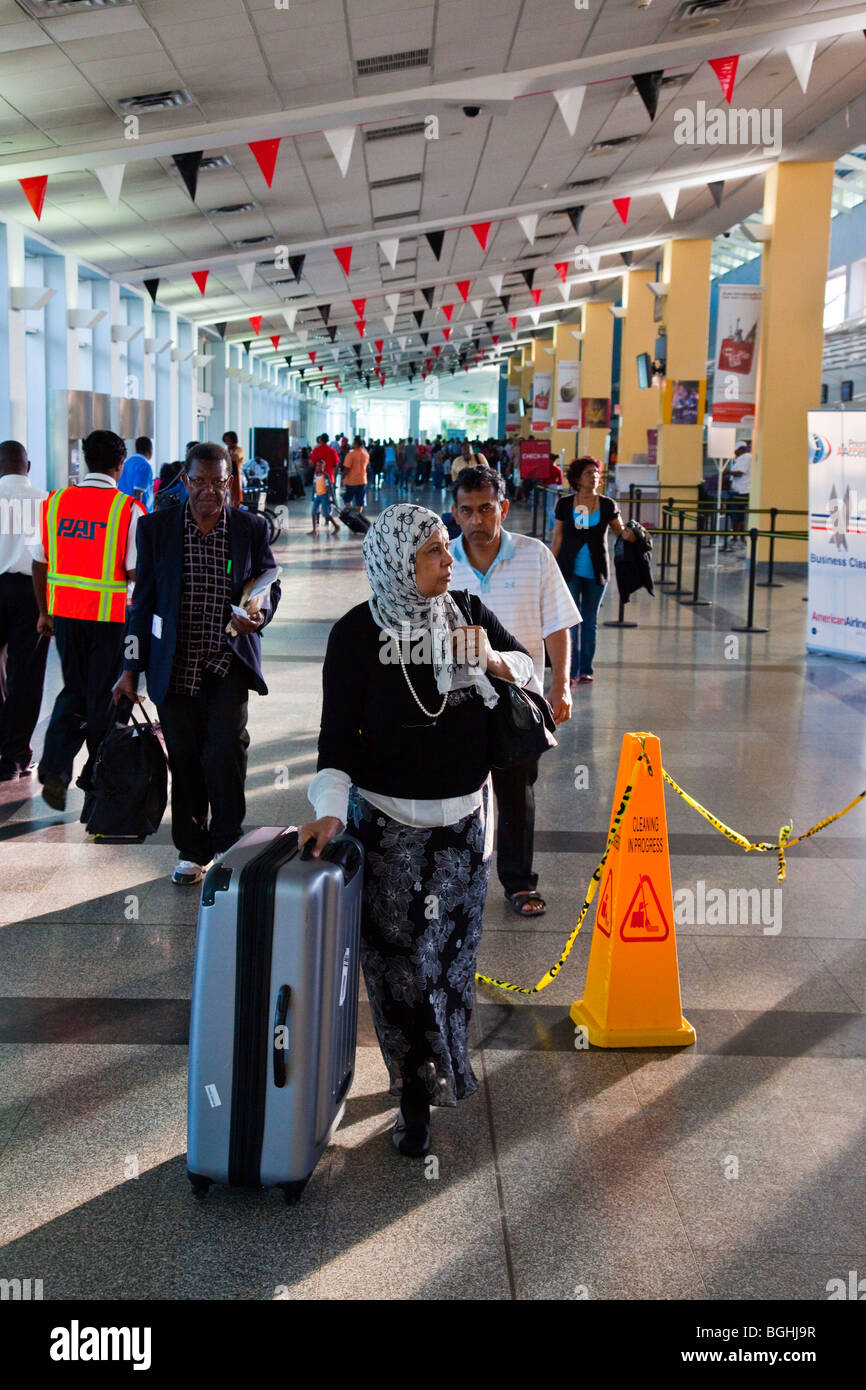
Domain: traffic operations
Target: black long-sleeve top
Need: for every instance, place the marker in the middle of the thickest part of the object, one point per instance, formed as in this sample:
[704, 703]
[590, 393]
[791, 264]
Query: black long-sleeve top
[373, 729]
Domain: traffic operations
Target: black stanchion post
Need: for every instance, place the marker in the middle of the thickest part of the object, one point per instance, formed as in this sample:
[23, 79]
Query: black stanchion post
[696, 601]
[769, 582]
[667, 544]
[753, 564]
[678, 587]
[630, 501]
[638, 494]
[534, 511]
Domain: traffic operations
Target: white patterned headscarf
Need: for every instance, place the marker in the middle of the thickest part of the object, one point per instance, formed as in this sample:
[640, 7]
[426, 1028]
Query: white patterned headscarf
[397, 605]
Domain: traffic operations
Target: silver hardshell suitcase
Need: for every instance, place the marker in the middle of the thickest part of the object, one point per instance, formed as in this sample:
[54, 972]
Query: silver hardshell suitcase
[274, 1010]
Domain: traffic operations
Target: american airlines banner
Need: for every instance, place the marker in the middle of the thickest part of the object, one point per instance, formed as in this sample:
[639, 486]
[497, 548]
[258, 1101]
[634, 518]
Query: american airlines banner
[837, 533]
[736, 373]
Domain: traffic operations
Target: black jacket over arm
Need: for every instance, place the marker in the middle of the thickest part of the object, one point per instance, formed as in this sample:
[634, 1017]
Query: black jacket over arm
[158, 581]
[573, 537]
[373, 729]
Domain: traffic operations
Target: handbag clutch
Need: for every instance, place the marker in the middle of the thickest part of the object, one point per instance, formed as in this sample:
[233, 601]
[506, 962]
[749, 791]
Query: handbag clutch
[521, 725]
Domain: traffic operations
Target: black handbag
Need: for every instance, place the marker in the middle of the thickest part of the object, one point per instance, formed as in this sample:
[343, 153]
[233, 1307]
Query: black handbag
[130, 781]
[521, 725]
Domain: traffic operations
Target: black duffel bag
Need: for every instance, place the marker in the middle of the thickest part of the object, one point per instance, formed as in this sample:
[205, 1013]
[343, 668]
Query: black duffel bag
[129, 785]
[521, 725]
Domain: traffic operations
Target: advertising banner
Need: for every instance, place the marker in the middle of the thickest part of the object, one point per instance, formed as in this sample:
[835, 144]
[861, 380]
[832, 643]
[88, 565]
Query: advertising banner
[512, 409]
[737, 332]
[542, 385]
[837, 533]
[567, 395]
[535, 459]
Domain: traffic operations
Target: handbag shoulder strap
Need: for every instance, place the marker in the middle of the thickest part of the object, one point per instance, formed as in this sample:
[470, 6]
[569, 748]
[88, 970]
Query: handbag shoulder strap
[461, 598]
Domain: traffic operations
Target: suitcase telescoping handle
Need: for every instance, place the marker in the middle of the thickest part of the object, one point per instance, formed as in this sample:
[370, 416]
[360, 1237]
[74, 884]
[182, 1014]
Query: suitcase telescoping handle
[281, 1036]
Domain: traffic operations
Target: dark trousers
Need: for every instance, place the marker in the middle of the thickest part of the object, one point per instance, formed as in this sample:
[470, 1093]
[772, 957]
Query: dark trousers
[90, 659]
[515, 825]
[26, 654]
[207, 741]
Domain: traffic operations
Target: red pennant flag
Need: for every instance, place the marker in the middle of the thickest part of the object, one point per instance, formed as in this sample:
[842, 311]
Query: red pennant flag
[378, 344]
[340, 389]
[361, 324]
[423, 376]
[463, 289]
[482, 232]
[446, 334]
[34, 191]
[324, 381]
[312, 357]
[276, 340]
[622, 206]
[428, 362]
[437, 349]
[265, 152]
[494, 339]
[359, 305]
[377, 361]
[536, 295]
[200, 277]
[561, 268]
[466, 366]
[513, 321]
[344, 256]
[256, 321]
[448, 310]
[726, 71]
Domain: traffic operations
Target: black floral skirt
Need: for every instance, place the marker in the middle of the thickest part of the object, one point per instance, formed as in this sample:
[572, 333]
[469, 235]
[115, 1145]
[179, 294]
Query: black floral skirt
[424, 892]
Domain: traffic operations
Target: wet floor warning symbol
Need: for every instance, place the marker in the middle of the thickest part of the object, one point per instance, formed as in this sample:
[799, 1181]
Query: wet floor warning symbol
[604, 916]
[644, 919]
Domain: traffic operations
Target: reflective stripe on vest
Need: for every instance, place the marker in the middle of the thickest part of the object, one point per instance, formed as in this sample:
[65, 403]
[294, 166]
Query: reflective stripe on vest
[106, 587]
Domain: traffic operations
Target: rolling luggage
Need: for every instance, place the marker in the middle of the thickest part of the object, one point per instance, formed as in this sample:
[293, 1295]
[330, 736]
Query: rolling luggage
[358, 525]
[129, 786]
[274, 1010]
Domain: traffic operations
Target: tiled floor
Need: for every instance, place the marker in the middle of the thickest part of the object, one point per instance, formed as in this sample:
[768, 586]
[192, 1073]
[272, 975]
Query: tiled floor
[735, 1169]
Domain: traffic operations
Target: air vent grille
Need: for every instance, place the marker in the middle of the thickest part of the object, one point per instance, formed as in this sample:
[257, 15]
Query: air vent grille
[616, 142]
[393, 132]
[393, 62]
[252, 241]
[214, 161]
[230, 209]
[153, 101]
[395, 182]
[702, 9]
[51, 9]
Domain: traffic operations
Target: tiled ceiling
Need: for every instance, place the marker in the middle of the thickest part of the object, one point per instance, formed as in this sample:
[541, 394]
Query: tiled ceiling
[252, 70]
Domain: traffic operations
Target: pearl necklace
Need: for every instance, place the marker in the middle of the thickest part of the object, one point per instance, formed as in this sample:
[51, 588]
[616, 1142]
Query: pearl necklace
[429, 713]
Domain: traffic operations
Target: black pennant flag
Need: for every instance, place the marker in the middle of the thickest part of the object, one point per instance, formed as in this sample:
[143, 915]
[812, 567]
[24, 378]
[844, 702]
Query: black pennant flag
[574, 215]
[505, 301]
[627, 257]
[529, 277]
[434, 241]
[287, 359]
[356, 348]
[301, 371]
[325, 311]
[424, 338]
[296, 265]
[247, 344]
[648, 86]
[332, 332]
[187, 167]
[717, 190]
[367, 379]
[489, 324]
[428, 295]
[221, 328]
[152, 286]
[418, 315]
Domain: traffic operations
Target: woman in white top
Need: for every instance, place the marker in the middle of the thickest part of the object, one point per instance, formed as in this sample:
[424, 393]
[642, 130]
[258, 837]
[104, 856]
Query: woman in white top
[403, 763]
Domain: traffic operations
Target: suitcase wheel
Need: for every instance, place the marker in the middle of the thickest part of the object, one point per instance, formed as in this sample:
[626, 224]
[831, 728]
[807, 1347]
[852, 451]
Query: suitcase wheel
[292, 1191]
[200, 1186]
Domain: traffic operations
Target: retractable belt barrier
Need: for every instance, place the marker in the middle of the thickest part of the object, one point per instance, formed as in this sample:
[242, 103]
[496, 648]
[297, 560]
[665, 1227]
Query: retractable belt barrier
[779, 847]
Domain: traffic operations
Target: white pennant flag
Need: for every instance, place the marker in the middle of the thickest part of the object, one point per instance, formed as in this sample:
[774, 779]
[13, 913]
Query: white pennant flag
[341, 142]
[111, 178]
[514, 335]
[393, 302]
[594, 258]
[402, 341]
[535, 315]
[801, 56]
[247, 272]
[468, 327]
[670, 197]
[303, 335]
[389, 320]
[389, 250]
[529, 224]
[290, 315]
[496, 282]
[570, 100]
[476, 305]
[565, 291]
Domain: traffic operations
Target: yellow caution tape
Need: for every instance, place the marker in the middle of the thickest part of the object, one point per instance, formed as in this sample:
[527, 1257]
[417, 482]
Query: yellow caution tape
[591, 891]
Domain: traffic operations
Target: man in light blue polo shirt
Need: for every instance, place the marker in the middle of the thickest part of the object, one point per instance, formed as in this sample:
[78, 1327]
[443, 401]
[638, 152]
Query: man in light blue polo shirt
[136, 478]
[518, 579]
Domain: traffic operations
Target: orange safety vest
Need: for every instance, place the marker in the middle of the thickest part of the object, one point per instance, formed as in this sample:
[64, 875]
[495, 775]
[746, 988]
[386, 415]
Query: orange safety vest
[84, 533]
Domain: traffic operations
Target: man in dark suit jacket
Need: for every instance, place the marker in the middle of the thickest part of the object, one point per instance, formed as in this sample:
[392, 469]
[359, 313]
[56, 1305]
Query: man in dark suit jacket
[193, 563]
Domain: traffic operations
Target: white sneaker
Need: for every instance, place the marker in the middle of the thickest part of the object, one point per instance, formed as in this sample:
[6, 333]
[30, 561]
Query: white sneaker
[187, 872]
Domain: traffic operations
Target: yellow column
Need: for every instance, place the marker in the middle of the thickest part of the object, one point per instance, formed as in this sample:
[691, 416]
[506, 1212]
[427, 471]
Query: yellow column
[595, 376]
[639, 409]
[534, 359]
[797, 201]
[686, 272]
[566, 348]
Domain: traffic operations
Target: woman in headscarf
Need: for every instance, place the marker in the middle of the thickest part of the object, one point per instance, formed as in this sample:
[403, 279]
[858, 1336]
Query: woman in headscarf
[403, 764]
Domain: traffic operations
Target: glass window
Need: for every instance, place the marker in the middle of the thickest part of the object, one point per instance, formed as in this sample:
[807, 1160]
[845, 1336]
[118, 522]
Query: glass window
[834, 299]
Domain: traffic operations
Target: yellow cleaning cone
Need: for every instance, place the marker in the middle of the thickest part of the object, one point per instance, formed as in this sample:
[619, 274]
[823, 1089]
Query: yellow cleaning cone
[632, 992]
